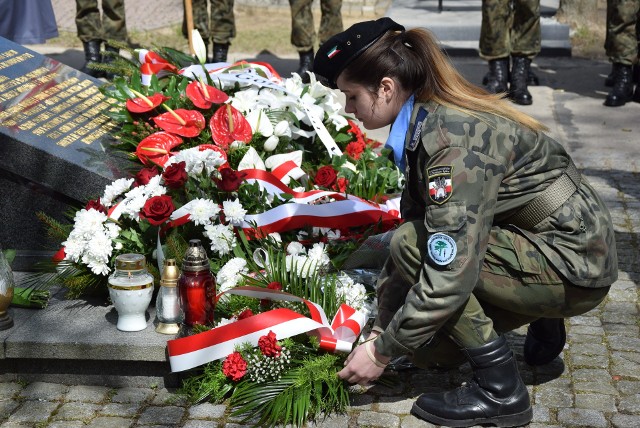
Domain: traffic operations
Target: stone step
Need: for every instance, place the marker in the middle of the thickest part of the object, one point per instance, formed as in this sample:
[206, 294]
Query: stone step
[457, 27]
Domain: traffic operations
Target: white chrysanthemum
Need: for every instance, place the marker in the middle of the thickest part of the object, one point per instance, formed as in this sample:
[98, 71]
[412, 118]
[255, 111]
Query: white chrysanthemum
[196, 160]
[135, 199]
[222, 238]
[115, 189]
[233, 212]
[318, 253]
[88, 222]
[295, 248]
[202, 211]
[231, 273]
[352, 293]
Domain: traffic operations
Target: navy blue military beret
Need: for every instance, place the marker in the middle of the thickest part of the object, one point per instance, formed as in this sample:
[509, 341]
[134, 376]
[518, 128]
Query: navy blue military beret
[340, 50]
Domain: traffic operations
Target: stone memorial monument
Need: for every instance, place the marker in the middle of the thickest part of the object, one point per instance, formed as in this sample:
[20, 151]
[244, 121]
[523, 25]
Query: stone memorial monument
[54, 147]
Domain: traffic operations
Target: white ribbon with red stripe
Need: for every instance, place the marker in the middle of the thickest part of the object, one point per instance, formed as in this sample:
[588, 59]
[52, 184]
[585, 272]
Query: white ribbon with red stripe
[192, 351]
[153, 64]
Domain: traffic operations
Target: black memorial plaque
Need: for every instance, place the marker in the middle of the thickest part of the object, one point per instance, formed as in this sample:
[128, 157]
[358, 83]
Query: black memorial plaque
[54, 145]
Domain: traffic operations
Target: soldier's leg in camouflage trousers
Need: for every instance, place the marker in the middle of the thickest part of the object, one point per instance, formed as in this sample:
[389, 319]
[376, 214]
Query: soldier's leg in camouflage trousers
[495, 45]
[114, 23]
[303, 35]
[525, 45]
[621, 46]
[330, 19]
[89, 28]
[223, 28]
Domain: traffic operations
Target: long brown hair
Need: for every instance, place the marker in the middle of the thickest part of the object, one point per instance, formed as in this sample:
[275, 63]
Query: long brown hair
[414, 59]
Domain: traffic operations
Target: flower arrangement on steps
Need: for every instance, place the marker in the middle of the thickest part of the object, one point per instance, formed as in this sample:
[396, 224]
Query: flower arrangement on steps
[279, 186]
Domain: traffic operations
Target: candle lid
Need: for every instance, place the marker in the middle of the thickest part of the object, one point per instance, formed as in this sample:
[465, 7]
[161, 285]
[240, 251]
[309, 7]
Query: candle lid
[170, 273]
[195, 259]
[130, 262]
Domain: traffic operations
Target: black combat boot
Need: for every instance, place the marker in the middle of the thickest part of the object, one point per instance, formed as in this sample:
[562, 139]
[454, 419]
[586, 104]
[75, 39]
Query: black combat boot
[518, 91]
[545, 340]
[608, 81]
[532, 78]
[220, 52]
[496, 395]
[92, 55]
[109, 59]
[306, 64]
[622, 91]
[498, 77]
[636, 94]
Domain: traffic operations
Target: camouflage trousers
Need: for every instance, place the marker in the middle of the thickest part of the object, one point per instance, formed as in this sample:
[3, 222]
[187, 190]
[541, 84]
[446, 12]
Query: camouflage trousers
[219, 26]
[303, 34]
[621, 42]
[516, 286]
[510, 27]
[91, 26]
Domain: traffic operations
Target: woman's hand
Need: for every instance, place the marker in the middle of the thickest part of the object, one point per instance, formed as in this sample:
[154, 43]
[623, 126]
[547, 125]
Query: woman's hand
[360, 368]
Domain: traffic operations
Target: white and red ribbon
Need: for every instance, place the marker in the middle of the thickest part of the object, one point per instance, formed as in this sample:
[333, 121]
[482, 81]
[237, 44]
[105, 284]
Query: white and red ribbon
[153, 64]
[337, 336]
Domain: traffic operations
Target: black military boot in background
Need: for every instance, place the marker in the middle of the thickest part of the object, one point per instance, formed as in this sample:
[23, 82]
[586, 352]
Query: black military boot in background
[109, 58]
[518, 90]
[622, 91]
[495, 396]
[306, 64]
[497, 80]
[545, 341]
[220, 52]
[92, 55]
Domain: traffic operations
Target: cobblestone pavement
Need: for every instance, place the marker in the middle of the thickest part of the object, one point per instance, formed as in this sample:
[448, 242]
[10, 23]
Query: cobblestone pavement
[595, 383]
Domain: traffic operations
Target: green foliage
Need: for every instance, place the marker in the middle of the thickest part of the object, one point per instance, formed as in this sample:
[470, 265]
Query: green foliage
[211, 385]
[303, 393]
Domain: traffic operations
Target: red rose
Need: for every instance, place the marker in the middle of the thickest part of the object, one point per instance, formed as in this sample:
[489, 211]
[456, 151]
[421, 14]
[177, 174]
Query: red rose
[230, 180]
[96, 205]
[341, 185]
[245, 314]
[145, 175]
[355, 149]
[59, 255]
[269, 346]
[175, 175]
[275, 285]
[326, 176]
[157, 209]
[234, 366]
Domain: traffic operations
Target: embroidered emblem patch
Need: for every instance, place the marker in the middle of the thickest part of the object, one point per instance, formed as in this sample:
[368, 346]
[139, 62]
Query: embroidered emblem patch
[440, 183]
[441, 248]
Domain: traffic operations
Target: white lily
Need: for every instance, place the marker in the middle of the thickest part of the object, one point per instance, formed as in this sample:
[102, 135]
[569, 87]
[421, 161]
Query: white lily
[199, 47]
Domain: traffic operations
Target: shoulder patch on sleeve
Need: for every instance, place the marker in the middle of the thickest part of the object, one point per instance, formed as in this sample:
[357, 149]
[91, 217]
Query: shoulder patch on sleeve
[441, 249]
[440, 183]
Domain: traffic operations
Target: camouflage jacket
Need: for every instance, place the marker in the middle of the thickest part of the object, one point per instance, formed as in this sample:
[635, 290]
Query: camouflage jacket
[464, 175]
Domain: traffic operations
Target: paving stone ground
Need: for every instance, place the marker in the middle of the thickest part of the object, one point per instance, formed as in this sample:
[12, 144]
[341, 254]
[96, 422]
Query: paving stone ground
[594, 383]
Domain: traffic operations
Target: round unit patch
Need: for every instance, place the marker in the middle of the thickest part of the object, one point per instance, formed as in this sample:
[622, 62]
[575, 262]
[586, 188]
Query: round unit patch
[441, 249]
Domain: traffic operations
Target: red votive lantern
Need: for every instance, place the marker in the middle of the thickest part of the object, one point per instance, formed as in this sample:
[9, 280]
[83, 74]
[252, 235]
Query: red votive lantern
[197, 286]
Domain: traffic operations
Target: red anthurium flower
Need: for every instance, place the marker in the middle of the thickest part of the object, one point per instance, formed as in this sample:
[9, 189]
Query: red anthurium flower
[156, 148]
[228, 125]
[204, 96]
[145, 104]
[187, 123]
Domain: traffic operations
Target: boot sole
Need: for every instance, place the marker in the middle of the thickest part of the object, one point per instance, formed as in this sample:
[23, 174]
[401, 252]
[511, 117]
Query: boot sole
[519, 419]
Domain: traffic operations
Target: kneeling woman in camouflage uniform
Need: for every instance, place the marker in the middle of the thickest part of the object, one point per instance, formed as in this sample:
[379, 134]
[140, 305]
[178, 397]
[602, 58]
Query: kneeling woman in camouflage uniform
[500, 228]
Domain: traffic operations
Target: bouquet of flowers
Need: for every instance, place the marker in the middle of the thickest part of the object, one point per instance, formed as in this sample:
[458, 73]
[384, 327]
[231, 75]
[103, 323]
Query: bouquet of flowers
[279, 186]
